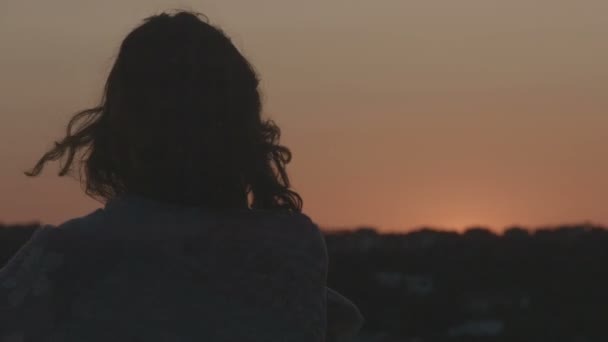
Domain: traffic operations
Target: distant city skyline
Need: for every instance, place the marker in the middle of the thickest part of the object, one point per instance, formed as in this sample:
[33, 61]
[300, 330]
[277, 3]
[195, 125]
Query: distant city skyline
[400, 114]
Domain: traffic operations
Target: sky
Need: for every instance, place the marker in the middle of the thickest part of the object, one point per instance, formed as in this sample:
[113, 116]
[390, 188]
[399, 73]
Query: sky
[399, 113]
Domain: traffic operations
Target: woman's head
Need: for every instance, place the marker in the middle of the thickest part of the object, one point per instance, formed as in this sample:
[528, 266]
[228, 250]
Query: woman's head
[179, 121]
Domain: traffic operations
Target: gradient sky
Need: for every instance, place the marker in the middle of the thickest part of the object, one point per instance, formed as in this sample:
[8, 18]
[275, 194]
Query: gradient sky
[399, 113]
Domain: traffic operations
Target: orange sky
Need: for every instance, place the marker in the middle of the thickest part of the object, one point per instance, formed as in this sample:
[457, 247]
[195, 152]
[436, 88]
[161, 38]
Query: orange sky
[399, 113]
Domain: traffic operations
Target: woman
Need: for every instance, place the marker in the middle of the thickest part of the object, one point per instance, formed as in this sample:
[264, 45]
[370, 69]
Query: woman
[201, 237]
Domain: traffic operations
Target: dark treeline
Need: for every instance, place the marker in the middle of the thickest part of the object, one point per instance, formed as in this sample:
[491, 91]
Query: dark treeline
[546, 285]
[428, 285]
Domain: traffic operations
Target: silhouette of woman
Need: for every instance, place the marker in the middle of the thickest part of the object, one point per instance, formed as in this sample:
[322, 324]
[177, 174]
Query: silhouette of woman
[201, 237]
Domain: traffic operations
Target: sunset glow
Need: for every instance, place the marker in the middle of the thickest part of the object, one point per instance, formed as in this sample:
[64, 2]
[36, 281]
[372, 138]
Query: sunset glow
[400, 114]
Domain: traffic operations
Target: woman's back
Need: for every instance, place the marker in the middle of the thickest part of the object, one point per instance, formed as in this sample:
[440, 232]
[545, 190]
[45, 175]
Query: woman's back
[141, 270]
[202, 236]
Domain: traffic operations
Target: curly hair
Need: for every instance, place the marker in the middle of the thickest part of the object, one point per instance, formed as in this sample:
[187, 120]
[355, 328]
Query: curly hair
[179, 121]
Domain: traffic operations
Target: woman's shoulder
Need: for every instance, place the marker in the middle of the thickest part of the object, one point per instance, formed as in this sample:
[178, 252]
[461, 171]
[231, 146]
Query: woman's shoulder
[283, 227]
[48, 237]
[307, 229]
[71, 234]
[296, 223]
[297, 237]
[92, 219]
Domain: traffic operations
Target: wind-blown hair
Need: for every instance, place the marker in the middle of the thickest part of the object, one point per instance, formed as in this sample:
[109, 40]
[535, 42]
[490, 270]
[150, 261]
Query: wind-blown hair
[179, 121]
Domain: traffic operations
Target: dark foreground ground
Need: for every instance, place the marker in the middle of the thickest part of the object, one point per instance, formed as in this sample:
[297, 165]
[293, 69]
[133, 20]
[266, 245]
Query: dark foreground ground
[550, 285]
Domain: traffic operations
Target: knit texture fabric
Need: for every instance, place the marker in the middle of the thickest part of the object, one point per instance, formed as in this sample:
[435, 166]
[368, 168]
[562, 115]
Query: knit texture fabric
[140, 270]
